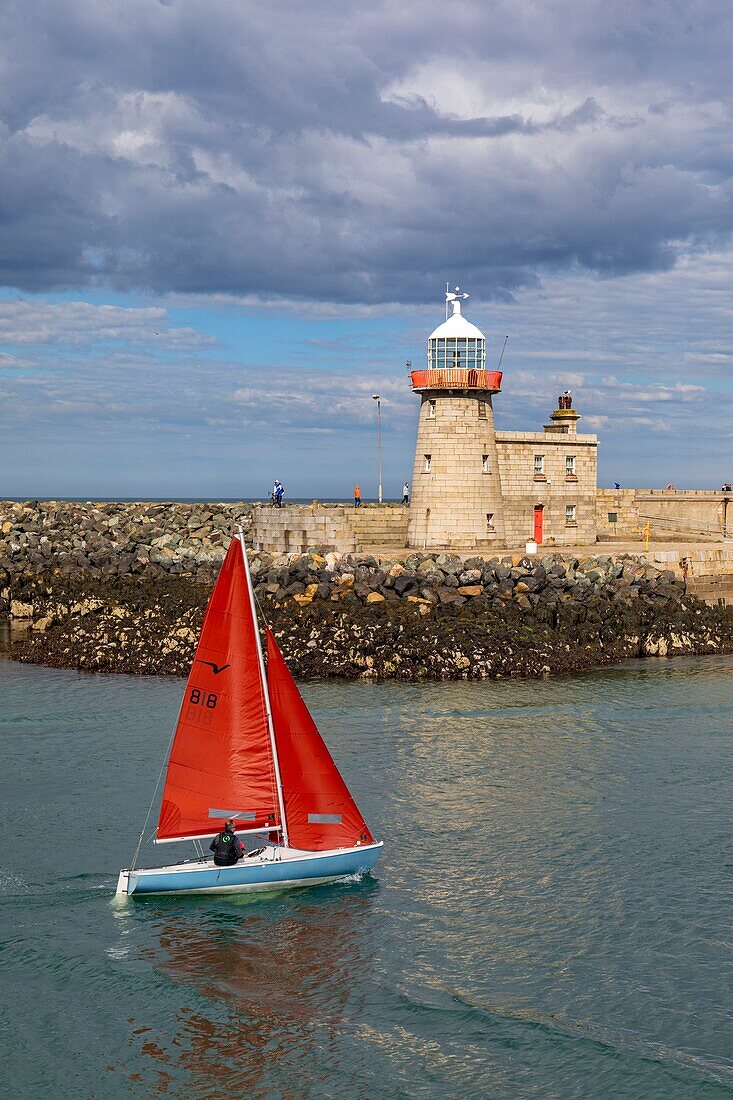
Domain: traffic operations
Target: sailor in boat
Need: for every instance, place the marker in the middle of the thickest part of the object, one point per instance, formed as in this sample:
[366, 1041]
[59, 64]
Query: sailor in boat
[227, 848]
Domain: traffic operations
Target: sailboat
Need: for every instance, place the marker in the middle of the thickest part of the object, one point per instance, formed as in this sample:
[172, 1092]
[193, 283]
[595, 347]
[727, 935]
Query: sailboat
[246, 749]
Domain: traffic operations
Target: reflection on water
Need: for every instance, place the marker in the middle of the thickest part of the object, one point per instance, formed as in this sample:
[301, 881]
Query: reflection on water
[550, 916]
[284, 976]
[11, 632]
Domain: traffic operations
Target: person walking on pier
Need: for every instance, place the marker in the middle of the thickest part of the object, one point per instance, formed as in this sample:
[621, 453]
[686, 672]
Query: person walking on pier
[278, 493]
[406, 493]
[357, 496]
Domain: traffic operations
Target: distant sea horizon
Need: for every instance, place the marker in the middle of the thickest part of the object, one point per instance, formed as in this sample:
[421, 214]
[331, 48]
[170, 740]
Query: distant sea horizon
[198, 500]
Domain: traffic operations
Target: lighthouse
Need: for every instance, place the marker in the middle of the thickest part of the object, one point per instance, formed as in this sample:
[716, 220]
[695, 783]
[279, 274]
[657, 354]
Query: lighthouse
[473, 488]
[456, 485]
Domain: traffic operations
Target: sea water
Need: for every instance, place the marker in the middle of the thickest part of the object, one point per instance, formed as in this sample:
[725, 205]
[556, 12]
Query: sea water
[551, 916]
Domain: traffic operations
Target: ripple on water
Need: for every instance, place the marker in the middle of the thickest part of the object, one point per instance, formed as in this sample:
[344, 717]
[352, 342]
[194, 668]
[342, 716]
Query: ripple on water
[550, 915]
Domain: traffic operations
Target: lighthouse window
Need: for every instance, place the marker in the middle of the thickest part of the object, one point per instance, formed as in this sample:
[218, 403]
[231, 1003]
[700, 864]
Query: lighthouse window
[490, 520]
[539, 464]
[485, 463]
[570, 513]
[569, 465]
[482, 410]
[426, 464]
[431, 410]
[456, 352]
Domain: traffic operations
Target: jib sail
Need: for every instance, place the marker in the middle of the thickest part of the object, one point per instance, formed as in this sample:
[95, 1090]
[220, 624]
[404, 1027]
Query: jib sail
[321, 813]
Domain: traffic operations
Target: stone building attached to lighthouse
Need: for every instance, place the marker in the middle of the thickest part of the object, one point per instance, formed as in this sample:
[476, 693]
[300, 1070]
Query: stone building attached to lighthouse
[479, 488]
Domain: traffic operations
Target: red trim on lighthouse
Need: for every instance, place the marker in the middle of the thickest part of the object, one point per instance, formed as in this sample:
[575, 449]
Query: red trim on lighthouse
[456, 378]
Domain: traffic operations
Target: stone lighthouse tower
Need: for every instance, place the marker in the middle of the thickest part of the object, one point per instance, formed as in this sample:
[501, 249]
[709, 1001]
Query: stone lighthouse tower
[456, 489]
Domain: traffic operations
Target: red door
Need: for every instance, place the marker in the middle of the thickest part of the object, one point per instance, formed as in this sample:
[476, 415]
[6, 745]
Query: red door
[538, 511]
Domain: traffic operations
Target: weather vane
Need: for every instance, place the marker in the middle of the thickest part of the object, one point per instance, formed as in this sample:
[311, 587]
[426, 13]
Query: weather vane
[452, 296]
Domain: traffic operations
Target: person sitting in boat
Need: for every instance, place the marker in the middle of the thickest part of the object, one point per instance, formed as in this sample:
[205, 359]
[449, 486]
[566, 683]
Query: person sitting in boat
[227, 848]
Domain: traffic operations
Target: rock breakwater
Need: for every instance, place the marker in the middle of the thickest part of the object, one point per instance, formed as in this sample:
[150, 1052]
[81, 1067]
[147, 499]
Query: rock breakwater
[117, 538]
[129, 596]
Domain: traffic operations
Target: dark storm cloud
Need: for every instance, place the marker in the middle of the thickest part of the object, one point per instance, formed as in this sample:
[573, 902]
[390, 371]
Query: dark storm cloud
[356, 152]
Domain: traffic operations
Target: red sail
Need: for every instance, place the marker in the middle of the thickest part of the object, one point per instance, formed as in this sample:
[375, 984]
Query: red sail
[320, 811]
[221, 763]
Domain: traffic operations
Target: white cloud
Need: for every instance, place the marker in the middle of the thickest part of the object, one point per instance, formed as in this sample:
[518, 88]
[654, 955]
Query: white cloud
[655, 425]
[78, 323]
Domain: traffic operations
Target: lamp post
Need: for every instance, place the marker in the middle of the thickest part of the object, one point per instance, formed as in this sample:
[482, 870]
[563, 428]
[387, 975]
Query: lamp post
[377, 398]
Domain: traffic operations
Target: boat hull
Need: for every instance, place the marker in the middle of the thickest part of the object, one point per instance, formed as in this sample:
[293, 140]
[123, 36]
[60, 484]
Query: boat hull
[284, 869]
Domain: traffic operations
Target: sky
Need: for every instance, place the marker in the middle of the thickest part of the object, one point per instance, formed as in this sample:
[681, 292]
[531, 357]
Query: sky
[224, 226]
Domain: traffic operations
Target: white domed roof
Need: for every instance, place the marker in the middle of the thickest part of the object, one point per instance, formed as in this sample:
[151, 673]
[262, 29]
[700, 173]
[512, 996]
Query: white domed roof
[456, 327]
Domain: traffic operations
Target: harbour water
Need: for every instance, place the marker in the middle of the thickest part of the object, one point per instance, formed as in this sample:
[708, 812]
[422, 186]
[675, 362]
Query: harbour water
[551, 916]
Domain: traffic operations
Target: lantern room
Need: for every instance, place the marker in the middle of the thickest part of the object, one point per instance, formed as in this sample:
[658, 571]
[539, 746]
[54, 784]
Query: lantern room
[456, 354]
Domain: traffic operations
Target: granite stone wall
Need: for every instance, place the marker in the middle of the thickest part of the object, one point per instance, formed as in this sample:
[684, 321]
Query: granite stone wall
[123, 586]
[457, 498]
[298, 527]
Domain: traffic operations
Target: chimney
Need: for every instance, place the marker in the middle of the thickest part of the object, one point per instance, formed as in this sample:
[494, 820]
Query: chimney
[564, 418]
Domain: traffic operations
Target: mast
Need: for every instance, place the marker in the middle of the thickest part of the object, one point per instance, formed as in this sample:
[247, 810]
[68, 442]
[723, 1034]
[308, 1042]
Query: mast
[266, 691]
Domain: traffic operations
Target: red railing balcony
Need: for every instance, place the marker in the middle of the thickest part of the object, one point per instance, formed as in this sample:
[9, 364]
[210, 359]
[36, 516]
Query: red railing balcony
[456, 378]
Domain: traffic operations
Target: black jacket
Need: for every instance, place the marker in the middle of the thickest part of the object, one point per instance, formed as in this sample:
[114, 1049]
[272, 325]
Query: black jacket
[227, 848]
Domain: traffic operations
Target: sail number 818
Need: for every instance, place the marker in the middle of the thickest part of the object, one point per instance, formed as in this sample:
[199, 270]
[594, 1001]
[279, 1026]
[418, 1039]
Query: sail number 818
[206, 699]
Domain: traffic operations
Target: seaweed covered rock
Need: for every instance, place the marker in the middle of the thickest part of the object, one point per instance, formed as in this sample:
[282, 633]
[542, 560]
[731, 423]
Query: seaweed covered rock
[338, 625]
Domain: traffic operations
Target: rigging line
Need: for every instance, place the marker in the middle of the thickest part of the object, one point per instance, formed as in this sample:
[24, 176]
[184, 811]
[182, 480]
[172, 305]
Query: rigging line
[260, 608]
[155, 792]
[275, 770]
[256, 598]
[160, 777]
[265, 690]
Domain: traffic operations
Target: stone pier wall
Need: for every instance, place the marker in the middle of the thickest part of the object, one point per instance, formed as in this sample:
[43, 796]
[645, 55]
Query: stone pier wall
[83, 582]
[295, 528]
[618, 515]
[122, 587]
[699, 515]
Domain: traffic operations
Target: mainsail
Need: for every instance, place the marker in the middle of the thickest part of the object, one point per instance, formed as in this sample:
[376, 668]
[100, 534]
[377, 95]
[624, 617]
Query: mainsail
[221, 763]
[321, 814]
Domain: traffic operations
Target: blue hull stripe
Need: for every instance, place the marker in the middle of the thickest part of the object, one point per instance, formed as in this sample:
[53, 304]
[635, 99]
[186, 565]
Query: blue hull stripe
[255, 874]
